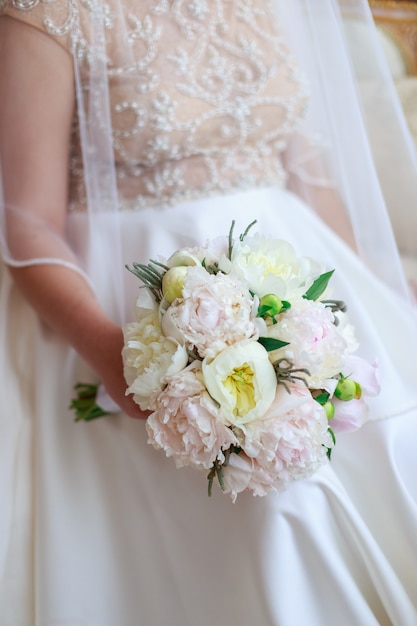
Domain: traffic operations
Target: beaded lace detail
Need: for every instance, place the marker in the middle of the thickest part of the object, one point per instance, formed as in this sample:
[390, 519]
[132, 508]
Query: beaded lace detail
[204, 94]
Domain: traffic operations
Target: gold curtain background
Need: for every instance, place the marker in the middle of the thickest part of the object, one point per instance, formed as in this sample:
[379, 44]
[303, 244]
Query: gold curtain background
[397, 25]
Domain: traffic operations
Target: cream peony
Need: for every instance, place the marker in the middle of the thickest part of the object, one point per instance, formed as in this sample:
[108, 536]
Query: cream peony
[187, 424]
[242, 380]
[215, 311]
[271, 266]
[149, 357]
[183, 258]
[315, 343]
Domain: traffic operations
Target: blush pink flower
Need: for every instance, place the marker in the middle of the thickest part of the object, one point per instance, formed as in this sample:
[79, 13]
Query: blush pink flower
[215, 311]
[350, 416]
[314, 341]
[291, 441]
[245, 474]
[186, 423]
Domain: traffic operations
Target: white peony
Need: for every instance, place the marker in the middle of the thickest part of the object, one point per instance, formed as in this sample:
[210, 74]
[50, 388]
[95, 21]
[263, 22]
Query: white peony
[148, 356]
[242, 380]
[272, 266]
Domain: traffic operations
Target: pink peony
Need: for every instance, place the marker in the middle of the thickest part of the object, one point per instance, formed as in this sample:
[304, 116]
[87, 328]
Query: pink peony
[245, 474]
[186, 422]
[215, 311]
[290, 442]
[315, 343]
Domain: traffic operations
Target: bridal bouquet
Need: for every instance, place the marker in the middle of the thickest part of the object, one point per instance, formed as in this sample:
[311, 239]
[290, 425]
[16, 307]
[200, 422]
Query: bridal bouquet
[243, 362]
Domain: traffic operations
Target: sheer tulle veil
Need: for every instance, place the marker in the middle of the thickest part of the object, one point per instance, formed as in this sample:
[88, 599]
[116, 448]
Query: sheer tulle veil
[338, 146]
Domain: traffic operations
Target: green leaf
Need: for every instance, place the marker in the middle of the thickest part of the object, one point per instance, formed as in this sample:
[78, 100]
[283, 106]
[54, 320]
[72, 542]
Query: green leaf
[84, 404]
[264, 310]
[319, 286]
[329, 450]
[271, 344]
[322, 398]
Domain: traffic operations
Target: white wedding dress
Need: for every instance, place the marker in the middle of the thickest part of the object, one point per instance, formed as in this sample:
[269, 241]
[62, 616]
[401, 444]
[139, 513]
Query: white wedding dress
[99, 529]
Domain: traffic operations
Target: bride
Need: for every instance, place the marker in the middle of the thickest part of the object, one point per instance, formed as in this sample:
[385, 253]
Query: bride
[128, 130]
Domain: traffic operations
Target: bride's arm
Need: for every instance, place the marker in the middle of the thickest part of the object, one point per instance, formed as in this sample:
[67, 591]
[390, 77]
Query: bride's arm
[36, 108]
[327, 204]
[309, 179]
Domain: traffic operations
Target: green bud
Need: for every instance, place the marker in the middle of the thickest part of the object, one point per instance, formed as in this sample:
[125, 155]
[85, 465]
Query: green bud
[270, 305]
[347, 390]
[329, 408]
[173, 283]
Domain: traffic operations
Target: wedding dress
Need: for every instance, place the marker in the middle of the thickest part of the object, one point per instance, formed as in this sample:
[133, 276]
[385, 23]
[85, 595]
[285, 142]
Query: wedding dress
[99, 529]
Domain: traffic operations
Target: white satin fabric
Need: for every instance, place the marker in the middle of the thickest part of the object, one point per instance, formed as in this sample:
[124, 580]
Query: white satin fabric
[99, 529]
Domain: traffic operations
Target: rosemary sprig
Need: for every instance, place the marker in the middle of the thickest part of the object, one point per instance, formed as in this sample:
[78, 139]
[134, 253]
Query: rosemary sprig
[150, 275]
[287, 373]
[217, 469]
[241, 236]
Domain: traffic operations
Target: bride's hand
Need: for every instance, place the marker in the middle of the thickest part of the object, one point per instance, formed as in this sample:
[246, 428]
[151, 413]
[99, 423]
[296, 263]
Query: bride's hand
[109, 367]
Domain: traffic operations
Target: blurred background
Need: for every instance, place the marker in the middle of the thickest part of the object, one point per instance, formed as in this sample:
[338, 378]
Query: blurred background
[397, 28]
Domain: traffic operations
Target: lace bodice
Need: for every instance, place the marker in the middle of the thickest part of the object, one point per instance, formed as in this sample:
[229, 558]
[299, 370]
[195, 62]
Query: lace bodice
[204, 94]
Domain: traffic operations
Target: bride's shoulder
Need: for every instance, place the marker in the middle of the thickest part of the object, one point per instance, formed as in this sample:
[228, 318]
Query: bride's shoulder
[66, 21]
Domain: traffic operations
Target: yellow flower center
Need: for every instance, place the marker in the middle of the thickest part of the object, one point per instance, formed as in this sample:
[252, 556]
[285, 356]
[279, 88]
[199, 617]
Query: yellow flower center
[271, 266]
[240, 385]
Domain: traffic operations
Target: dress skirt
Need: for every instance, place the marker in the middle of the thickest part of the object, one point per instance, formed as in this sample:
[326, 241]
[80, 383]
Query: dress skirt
[99, 529]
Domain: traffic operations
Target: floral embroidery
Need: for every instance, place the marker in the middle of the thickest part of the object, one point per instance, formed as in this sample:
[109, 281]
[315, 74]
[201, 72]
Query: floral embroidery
[203, 98]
